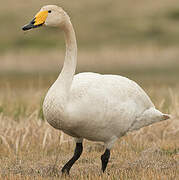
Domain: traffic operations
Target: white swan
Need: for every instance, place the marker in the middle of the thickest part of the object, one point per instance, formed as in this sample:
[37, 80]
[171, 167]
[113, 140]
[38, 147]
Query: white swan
[90, 105]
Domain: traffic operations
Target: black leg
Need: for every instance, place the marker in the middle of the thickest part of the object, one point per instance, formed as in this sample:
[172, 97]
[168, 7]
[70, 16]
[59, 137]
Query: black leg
[104, 159]
[78, 150]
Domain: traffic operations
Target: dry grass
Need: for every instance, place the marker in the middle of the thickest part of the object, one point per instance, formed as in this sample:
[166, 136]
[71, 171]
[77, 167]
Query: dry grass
[105, 59]
[121, 37]
[31, 149]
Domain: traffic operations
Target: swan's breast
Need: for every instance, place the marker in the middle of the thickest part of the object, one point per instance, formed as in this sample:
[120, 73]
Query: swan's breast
[54, 108]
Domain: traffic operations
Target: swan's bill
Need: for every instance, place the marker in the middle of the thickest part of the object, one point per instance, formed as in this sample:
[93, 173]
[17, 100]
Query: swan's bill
[39, 20]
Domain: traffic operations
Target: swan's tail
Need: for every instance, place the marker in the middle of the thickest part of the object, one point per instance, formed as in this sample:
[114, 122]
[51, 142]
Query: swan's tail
[149, 117]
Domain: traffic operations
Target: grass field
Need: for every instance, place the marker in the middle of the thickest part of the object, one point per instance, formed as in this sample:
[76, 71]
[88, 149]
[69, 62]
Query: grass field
[138, 40]
[29, 147]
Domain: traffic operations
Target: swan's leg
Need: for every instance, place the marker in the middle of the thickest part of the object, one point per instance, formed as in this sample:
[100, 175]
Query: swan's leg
[78, 150]
[105, 157]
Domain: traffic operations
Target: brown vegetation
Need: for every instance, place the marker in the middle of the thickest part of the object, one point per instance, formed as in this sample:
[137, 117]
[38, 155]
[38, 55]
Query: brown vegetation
[29, 147]
[135, 39]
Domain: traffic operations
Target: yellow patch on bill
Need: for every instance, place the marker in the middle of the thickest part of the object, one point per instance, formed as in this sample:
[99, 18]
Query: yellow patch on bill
[40, 17]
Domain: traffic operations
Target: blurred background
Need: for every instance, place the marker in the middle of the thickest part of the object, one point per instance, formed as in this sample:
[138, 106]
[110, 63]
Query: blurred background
[138, 39]
[134, 38]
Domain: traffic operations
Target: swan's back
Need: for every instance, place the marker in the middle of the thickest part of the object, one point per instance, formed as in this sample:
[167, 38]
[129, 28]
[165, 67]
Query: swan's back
[112, 87]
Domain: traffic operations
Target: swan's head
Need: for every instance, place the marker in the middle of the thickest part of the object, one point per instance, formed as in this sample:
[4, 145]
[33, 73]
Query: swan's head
[50, 15]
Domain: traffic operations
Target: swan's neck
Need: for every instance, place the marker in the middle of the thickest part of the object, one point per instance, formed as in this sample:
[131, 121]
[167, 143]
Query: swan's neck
[58, 95]
[65, 78]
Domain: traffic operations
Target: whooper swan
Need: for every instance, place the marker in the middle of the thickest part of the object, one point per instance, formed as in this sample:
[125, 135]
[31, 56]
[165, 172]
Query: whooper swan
[90, 105]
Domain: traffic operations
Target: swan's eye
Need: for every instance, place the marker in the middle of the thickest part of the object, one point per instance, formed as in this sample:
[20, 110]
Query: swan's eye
[49, 11]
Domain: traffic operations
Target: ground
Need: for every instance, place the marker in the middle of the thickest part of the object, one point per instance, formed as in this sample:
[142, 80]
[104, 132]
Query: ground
[137, 40]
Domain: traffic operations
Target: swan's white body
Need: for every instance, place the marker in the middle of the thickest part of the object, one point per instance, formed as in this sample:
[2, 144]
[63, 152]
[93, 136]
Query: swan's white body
[99, 107]
[90, 105]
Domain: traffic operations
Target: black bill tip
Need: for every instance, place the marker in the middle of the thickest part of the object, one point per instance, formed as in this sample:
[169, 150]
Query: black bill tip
[27, 27]
[31, 25]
